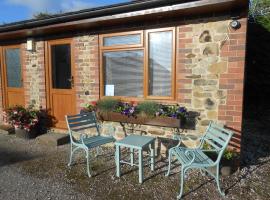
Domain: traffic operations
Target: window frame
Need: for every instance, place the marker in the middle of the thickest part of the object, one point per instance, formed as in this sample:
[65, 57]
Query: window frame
[152, 97]
[144, 46]
[121, 34]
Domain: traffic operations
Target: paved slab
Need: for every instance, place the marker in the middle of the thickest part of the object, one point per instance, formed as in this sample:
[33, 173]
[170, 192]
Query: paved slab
[54, 139]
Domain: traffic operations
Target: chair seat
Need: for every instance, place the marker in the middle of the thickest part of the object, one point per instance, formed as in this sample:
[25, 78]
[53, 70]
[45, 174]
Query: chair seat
[95, 141]
[200, 157]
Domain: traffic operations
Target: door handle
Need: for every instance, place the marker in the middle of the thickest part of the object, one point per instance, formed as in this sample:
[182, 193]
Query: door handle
[71, 80]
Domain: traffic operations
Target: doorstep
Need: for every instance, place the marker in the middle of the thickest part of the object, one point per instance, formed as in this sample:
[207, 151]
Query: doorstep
[6, 129]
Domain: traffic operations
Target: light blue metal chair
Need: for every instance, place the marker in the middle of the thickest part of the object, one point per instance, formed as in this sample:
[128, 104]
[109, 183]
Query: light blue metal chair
[217, 138]
[78, 123]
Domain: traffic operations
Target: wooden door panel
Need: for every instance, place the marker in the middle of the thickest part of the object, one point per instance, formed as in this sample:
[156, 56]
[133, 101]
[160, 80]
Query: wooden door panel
[15, 98]
[62, 104]
[60, 84]
[12, 75]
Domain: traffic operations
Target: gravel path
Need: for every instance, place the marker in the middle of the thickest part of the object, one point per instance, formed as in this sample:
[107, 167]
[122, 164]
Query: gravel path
[33, 171]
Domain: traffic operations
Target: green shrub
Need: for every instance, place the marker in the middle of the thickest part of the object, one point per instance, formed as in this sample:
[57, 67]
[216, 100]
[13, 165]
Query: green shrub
[148, 108]
[229, 154]
[107, 104]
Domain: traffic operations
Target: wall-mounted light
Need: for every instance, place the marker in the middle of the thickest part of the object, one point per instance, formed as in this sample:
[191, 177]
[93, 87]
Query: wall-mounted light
[30, 45]
[235, 24]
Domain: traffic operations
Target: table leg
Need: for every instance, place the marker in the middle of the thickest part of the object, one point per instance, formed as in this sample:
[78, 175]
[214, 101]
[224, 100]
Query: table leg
[117, 160]
[140, 166]
[131, 156]
[152, 149]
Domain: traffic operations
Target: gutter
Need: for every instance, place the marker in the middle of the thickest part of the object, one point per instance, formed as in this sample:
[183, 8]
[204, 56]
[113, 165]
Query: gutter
[89, 13]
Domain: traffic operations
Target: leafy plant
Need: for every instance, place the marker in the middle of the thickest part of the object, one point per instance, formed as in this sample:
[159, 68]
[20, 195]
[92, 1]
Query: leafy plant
[229, 154]
[174, 111]
[20, 117]
[148, 108]
[106, 105]
[259, 11]
[145, 108]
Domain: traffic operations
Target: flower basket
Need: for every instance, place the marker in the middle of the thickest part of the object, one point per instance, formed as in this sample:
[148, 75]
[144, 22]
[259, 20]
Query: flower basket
[155, 121]
[26, 134]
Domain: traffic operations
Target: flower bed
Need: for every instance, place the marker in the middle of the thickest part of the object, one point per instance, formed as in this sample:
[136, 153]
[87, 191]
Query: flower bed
[147, 112]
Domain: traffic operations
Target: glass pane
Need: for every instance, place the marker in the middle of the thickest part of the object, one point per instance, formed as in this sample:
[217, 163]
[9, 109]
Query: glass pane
[123, 73]
[160, 63]
[61, 66]
[122, 40]
[14, 70]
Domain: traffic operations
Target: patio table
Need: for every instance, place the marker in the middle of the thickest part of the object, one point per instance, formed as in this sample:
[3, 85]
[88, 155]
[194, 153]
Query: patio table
[135, 142]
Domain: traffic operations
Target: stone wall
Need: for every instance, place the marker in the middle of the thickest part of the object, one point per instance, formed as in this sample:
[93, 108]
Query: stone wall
[210, 71]
[34, 75]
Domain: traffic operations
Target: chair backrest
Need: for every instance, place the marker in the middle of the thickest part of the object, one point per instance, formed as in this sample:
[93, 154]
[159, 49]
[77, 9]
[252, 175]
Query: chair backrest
[217, 138]
[80, 122]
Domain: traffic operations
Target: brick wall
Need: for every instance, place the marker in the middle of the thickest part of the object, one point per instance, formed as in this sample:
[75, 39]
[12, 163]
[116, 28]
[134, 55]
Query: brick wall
[87, 69]
[34, 75]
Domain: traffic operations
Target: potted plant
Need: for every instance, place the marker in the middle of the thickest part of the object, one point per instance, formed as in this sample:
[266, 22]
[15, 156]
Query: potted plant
[229, 162]
[145, 112]
[24, 120]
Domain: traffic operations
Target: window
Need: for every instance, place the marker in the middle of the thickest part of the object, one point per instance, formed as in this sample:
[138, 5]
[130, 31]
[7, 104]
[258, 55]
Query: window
[160, 63]
[61, 66]
[13, 67]
[122, 40]
[123, 70]
[132, 68]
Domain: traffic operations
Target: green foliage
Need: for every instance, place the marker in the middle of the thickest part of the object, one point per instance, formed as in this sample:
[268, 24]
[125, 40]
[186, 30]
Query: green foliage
[260, 12]
[107, 104]
[229, 154]
[148, 108]
[20, 117]
[41, 15]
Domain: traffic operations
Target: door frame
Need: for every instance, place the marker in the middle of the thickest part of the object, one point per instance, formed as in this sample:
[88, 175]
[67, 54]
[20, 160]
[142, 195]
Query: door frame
[48, 75]
[4, 72]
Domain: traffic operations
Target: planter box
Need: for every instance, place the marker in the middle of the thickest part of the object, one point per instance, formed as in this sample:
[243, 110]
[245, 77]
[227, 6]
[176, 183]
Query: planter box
[21, 133]
[156, 121]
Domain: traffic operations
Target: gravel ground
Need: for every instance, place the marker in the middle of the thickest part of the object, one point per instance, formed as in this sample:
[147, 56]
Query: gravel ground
[34, 171]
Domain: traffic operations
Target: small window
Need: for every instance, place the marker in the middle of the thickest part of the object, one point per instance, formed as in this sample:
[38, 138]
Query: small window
[61, 66]
[160, 63]
[14, 69]
[122, 40]
[123, 73]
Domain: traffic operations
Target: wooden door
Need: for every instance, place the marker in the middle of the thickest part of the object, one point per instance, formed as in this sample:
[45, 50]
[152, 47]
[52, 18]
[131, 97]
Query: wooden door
[60, 84]
[12, 76]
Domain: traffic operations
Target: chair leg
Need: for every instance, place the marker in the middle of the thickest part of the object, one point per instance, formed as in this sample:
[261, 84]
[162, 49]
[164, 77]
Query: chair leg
[87, 160]
[97, 152]
[181, 183]
[218, 182]
[169, 167]
[71, 154]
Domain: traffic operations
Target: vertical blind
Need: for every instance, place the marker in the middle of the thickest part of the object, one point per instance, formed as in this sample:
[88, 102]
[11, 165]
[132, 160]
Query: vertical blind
[124, 70]
[160, 63]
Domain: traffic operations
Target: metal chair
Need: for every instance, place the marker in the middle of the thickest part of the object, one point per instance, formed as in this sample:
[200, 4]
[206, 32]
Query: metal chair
[78, 123]
[217, 138]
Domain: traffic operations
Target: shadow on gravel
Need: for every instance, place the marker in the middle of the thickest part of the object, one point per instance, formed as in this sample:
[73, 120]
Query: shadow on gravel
[8, 157]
